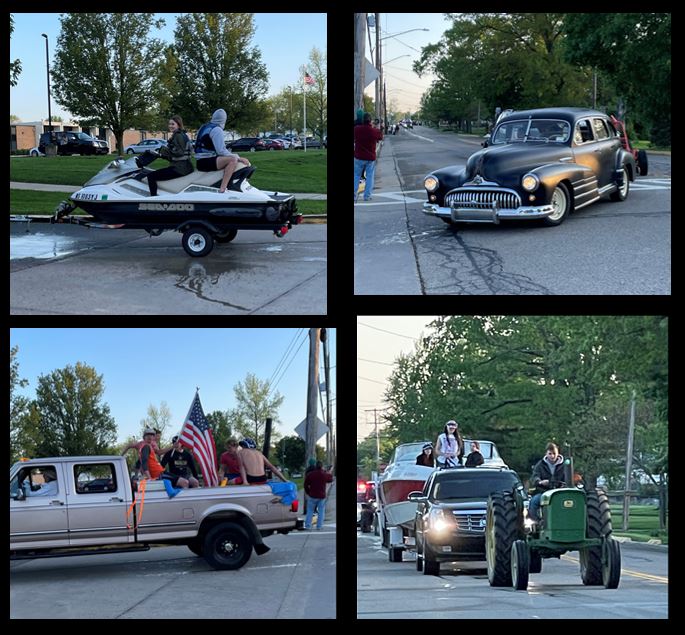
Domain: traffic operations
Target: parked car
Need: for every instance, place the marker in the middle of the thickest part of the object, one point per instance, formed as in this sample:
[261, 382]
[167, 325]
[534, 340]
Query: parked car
[72, 143]
[35, 152]
[143, 146]
[273, 144]
[538, 164]
[247, 143]
[325, 141]
[451, 511]
[312, 143]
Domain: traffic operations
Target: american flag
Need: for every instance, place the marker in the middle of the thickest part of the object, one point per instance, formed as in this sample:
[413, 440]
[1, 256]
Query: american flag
[197, 436]
[308, 79]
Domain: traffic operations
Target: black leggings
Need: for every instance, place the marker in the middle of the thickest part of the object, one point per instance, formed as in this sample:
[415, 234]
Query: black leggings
[176, 169]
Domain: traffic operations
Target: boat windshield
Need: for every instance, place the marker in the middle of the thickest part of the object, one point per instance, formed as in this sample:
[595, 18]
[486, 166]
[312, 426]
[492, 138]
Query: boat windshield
[407, 452]
[546, 130]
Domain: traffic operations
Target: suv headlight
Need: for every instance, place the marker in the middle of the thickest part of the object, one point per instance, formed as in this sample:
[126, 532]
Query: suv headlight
[441, 520]
[530, 182]
[431, 183]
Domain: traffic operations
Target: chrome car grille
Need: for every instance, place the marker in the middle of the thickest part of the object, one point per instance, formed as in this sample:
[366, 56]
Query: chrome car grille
[482, 199]
[470, 521]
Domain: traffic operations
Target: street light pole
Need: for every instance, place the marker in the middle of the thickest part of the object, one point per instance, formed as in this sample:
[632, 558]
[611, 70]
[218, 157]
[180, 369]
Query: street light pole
[47, 63]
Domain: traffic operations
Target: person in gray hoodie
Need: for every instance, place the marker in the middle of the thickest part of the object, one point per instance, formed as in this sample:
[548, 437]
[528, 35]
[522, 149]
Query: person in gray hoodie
[548, 473]
[210, 149]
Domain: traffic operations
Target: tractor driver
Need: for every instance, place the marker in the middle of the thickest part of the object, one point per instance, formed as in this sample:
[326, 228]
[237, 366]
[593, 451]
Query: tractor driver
[547, 473]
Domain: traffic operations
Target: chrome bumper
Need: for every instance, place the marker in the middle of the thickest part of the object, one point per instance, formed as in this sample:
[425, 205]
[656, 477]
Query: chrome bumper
[489, 215]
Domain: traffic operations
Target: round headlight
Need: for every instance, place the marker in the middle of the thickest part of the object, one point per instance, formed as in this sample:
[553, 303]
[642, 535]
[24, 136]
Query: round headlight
[431, 183]
[530, 182]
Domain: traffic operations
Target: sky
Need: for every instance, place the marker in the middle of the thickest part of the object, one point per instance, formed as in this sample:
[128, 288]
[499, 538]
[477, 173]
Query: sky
[403, 86]
[376, 352]
[279, 36]
[148, 366]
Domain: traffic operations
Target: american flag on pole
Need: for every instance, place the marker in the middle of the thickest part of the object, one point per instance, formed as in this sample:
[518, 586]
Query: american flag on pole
[308, 79]
[197, 436]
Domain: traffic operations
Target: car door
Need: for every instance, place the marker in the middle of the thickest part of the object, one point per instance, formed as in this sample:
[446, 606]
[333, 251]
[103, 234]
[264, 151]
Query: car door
[98, 500]
[38, 520]
[607, 146]
[422, 510]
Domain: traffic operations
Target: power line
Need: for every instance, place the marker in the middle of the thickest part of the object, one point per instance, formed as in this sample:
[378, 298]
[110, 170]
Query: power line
[373, 361]
[382, 383]
[375, 328]
[304, 339]
[283, 357]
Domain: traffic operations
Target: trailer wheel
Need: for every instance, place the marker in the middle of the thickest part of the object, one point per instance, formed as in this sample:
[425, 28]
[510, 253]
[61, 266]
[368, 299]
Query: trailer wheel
[227, 238]
[395, 554]
[227, 546]
[520, 565]
[611, 566]
[197, 242]
[535, 561]
[598, 525]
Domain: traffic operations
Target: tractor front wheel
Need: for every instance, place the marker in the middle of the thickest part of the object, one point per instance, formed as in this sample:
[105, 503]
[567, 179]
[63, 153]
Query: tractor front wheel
[520, 565]
[611, 565]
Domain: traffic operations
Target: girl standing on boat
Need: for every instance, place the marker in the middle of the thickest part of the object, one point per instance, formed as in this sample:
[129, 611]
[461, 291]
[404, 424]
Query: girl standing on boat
[449, 448]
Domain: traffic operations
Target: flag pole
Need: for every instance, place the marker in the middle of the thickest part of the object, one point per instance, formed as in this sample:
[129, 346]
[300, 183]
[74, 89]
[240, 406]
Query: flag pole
[304, 100]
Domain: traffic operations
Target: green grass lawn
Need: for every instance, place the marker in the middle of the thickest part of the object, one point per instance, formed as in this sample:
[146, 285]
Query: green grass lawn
[643, 523]
[35, 202]
[286, 171]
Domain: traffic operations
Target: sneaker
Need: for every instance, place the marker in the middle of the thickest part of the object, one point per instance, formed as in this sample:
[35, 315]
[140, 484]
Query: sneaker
[366, 200]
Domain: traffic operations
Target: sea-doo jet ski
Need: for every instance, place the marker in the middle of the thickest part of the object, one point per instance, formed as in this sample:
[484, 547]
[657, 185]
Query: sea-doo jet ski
[118, 197]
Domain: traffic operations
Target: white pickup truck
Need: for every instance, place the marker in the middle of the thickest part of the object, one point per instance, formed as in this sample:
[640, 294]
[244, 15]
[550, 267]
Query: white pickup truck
[87, 504]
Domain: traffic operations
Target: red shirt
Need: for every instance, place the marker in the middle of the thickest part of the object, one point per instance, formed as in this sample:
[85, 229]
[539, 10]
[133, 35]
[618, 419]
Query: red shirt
[315, 483]
[230, 463]
[365, 139]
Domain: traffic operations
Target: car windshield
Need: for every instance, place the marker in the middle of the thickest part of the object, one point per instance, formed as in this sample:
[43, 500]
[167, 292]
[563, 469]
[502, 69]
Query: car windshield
[460, 485]
[547, 130]
[84, 136]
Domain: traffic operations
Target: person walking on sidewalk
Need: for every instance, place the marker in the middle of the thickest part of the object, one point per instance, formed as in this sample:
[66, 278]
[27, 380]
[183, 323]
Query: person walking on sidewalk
[315, 490]
[366, 137]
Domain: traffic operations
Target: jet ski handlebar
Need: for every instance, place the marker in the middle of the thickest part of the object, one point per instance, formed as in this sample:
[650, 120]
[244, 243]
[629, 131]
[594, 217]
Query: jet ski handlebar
[146, 158]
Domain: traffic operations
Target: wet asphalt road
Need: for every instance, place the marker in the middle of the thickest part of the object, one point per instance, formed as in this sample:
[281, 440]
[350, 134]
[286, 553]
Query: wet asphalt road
[604, 249]
[75, 270]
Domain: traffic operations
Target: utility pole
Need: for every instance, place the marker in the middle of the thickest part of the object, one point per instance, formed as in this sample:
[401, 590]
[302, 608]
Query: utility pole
[379, 79]
[329, 422]
[629, 464]
[359, 59]
[378, 442]
[312, 393]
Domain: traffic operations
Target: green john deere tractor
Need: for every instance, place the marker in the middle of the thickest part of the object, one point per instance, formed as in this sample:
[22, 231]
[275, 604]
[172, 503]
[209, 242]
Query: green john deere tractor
[573, 519]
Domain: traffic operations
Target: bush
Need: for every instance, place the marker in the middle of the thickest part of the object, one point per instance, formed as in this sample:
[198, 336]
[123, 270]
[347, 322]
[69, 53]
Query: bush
[18, 152]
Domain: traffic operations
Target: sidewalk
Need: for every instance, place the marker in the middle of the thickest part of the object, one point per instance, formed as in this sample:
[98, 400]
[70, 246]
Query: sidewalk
[45, 187]
[384, 260]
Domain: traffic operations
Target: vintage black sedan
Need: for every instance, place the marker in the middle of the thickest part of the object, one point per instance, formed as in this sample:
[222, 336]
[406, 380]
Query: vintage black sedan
[540, 163]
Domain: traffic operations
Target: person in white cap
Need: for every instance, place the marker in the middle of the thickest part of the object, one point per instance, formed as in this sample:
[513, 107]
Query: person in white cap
[210, 149]
[449, 448]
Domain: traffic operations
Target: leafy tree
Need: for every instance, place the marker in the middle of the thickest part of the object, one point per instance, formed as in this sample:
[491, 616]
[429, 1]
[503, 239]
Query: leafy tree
[120, 61]
[158, 419]
[217, 68]
[15, 67]
[317, 95]
[256, 404]
[19, 407]
[70, 419]
[634, 51]
[290, 452]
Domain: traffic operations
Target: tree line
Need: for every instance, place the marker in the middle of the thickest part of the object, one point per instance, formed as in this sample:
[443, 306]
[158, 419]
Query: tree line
[537, 60]
[523, 381]
[68, 417]
[109, 71]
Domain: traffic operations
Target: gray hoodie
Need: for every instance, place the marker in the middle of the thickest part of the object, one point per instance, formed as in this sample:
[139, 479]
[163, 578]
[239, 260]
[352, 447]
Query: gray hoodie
[216, 135]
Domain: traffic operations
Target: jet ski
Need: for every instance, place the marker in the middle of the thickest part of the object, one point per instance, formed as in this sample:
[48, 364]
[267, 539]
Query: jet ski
[118, 197]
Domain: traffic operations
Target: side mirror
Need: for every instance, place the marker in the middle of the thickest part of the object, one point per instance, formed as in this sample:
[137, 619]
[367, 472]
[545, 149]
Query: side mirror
[417, 497]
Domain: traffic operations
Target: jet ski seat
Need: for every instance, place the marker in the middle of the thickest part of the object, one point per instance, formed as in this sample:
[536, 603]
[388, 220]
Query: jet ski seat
[174, 186]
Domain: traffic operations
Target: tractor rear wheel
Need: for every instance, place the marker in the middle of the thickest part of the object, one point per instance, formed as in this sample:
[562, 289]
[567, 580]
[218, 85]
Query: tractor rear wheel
[520, 565]
[502, 529]
[611, 567]
[598, 525]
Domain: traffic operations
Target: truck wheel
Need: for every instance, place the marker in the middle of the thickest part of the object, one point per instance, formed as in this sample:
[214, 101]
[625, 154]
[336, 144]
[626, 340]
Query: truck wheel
[520, 565]
[395, 554]
[196, 547]
[227, 546]
[502, 529]
[611, 567]
[197, 242]
[430, 565]
[598, 525]
[535, 561]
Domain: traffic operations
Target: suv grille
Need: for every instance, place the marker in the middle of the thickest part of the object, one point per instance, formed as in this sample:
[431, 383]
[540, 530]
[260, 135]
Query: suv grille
[482, 199]
[470, 521]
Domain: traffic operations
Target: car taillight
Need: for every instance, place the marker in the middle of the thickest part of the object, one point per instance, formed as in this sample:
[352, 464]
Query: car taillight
[294, 506]
[361, 487]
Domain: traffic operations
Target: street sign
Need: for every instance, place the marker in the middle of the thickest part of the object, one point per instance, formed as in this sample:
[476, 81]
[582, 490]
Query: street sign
[321, 429]
[370, 73]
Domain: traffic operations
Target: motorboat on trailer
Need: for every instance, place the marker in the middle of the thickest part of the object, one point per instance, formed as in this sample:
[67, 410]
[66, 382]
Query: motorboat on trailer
[118, 197]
